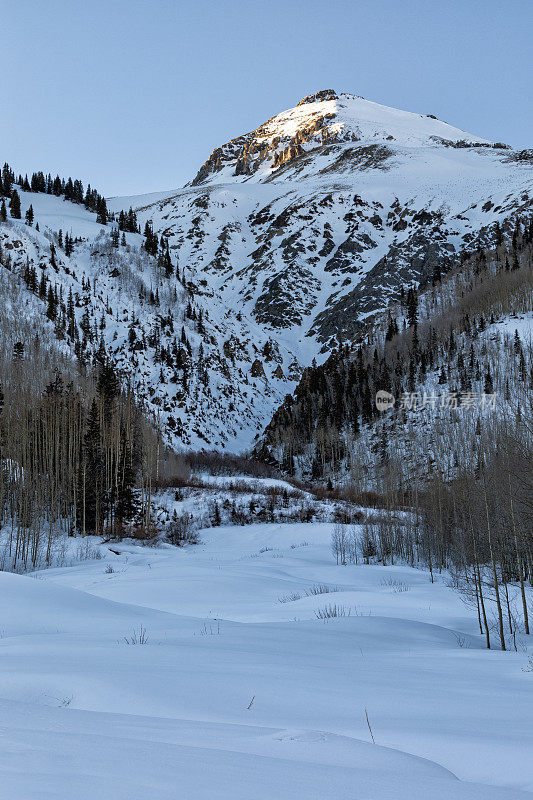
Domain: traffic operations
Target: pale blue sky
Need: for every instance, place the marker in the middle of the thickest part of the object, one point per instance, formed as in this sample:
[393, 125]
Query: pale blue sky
[133, 95]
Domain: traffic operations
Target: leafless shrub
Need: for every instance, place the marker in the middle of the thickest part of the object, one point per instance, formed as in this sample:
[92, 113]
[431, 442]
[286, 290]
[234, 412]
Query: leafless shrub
[87, 552]
[213, 630]
[320, 588]
[216, 463]
[529, 665]
[137, 637]
[182, 530]
[396, 585]
[332, 610]
[289, 598]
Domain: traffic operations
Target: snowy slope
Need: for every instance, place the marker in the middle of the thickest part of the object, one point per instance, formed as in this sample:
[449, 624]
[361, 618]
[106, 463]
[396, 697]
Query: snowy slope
[85, 714]
[113, 287]
[117, 204]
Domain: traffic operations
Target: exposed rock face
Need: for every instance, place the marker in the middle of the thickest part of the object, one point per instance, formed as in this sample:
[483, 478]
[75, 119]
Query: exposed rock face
[288, 154]
[272, 146]
[324, 94]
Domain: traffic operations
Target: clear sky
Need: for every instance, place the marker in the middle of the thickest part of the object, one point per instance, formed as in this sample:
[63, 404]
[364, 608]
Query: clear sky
[133, 95]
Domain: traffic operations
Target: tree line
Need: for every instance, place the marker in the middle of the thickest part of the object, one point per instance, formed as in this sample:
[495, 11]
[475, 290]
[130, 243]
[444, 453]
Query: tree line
[77, 456]
[68, 188]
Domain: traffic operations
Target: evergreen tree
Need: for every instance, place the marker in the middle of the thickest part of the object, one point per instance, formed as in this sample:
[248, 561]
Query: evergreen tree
[42, 286]
[69, 246]
[101, 211]
[108, 386]
[412, 308]
[151, 242]
[489, 385]
[8, 179]
[51, 311]
[127, 501]
[90, 500]
[14, 205]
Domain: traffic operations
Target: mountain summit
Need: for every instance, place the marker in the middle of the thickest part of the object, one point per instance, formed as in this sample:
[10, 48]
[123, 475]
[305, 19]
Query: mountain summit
[322, 122]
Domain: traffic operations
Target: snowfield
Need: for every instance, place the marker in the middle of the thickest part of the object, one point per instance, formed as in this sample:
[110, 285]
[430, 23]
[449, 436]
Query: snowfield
[241, 692]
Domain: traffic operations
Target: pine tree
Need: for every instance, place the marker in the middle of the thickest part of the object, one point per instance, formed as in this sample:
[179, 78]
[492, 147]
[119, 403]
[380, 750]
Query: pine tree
[14, 205]
[127, 502]
[489, 385]
[151, 242]
[412, 308]
[392, 328]
[101, 211]
[90, 500]
[69, 246]
[3, 211]
[167, 263]
[411, 380]
[51, 311]
[108, 386]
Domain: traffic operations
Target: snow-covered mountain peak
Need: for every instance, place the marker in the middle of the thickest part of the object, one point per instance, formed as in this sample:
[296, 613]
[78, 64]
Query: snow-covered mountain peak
[292, 238]
[324, 120]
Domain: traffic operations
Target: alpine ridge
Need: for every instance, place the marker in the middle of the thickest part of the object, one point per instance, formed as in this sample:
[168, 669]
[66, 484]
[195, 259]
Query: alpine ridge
[319, 120]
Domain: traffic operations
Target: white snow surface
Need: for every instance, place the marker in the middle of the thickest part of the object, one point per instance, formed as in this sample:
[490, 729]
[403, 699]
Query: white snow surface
[238, 695]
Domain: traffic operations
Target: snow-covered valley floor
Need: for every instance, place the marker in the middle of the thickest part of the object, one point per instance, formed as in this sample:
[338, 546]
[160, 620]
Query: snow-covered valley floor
[238, 695]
